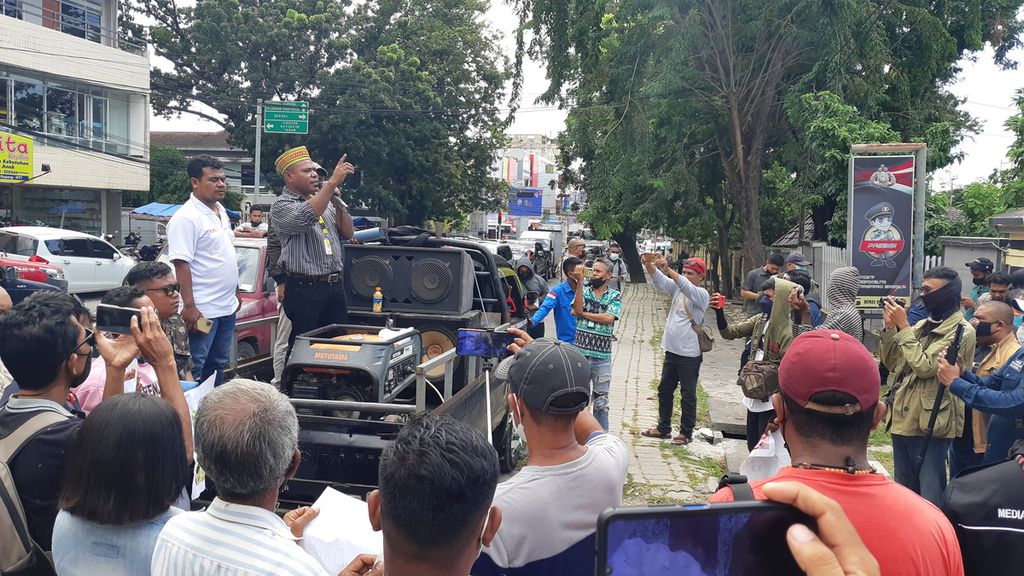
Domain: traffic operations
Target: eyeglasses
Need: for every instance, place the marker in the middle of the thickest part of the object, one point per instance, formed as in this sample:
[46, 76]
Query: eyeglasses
[90, 339]
[170, 290]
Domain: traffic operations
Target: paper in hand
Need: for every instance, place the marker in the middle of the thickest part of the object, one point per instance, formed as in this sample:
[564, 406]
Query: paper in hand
[340, 532]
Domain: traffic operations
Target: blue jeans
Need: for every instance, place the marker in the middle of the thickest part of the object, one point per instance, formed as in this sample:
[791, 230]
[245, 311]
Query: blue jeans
[600, 384]
[210, 351]
[931, 482]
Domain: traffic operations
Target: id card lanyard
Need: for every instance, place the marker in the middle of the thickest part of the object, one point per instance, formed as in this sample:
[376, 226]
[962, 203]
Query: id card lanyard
[327, 237]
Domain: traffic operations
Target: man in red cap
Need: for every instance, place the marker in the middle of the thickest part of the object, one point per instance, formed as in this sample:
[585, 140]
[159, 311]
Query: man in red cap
[679, 341]
[826, 409]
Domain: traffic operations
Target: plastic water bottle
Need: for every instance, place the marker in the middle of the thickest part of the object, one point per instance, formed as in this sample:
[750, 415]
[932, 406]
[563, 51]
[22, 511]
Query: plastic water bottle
[378, 300]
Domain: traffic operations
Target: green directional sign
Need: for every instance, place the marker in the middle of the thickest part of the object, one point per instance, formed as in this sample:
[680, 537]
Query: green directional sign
[286, 117]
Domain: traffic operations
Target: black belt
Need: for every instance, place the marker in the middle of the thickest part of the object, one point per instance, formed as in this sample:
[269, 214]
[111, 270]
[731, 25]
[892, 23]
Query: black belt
[332, 278]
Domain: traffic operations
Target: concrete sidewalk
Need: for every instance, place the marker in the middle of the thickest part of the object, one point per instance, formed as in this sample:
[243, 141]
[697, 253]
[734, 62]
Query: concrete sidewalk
[660, 472]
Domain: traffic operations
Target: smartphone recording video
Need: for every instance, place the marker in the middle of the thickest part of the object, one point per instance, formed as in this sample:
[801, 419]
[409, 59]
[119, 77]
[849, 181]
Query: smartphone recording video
[727, 539]
[116, 319]
[483, 343]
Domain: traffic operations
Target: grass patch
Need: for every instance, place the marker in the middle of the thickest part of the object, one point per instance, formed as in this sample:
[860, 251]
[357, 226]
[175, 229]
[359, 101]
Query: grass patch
[879, 437]
[697, 467]
[655, 340]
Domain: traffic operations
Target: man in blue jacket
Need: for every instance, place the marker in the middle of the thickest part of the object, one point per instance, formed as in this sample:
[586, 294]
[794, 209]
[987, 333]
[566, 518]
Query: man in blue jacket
[1001, 395]
[560, 300]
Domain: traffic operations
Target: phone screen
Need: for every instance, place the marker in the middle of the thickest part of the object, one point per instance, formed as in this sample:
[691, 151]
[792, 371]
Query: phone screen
[729, 539]
[483, 343]
[115, 318]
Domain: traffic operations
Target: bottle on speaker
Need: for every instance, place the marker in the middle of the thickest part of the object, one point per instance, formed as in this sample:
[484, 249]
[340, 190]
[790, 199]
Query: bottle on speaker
[378, 300]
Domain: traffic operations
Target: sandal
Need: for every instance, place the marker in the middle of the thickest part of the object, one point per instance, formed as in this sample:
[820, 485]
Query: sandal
[681, 440]
[655, 433]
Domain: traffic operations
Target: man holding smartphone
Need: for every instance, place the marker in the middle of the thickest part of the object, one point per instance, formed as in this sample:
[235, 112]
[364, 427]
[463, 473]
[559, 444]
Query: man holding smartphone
[200, 243]
[596, 308]
[826, 408]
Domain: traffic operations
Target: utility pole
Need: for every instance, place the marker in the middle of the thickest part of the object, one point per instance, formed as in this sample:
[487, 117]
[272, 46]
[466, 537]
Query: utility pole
[259, 139]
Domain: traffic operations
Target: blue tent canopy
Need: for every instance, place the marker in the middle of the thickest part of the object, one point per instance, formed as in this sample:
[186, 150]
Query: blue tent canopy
[163, 212]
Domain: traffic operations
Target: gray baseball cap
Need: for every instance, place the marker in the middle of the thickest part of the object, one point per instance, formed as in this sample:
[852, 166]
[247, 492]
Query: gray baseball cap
[548, 375]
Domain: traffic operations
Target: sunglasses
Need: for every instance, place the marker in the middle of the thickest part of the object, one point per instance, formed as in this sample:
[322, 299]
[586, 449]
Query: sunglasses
[170, 290]
[90, 339]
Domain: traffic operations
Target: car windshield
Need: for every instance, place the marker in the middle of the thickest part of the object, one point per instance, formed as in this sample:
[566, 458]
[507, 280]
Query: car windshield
[248, 267]
[12, 243]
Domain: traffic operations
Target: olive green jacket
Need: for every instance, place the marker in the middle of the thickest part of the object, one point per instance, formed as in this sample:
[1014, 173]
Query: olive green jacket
[912, 360]
[780, 326]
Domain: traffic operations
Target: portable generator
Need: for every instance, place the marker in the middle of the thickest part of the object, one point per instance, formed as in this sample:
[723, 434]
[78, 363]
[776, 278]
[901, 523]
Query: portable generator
[352, 363]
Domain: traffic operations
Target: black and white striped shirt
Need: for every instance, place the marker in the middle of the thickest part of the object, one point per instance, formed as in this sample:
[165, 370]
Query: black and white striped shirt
[301, 233]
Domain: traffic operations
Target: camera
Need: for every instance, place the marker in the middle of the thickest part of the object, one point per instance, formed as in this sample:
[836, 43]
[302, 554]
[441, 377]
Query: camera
[899, 301]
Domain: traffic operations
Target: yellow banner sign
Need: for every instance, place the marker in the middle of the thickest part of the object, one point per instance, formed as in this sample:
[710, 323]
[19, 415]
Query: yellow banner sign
[15, 158]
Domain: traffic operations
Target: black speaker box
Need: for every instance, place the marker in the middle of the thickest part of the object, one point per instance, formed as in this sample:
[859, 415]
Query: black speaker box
[429, 280]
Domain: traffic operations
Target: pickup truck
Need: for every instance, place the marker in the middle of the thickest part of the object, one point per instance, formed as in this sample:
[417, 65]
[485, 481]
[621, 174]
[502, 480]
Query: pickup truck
[354, 386]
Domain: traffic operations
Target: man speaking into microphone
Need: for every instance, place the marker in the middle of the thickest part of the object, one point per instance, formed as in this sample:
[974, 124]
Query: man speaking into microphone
[311, 219]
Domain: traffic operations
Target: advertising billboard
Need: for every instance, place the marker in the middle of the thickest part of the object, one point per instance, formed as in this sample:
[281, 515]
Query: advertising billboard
[15, 157]
[880, 225]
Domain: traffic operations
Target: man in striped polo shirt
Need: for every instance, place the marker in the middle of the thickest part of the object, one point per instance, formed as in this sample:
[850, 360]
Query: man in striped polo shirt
[310, 220]
[596, 308]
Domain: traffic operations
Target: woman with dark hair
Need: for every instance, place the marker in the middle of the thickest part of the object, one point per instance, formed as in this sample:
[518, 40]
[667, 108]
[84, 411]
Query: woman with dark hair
[128, 467]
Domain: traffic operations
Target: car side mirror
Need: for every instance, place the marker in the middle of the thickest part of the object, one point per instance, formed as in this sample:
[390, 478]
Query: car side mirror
[11, 274]
[117, 256]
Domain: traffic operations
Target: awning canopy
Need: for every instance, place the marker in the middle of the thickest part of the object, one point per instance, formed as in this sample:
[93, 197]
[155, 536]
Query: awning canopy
[158, 212]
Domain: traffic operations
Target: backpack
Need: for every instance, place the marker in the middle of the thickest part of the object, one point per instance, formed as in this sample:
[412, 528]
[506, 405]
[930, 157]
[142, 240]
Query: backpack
[19, 554]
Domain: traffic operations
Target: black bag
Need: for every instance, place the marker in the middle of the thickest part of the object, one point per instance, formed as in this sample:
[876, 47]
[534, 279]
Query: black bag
[19, 554]
[985, 504]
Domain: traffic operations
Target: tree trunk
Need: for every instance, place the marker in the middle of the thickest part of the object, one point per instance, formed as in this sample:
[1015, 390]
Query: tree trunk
[632, 257]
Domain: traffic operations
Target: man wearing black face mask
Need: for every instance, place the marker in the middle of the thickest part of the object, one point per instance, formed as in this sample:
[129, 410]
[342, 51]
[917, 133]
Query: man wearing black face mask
[1001, 393]
[911, 353]
[596, 308]
[535, 288]
[997, 345]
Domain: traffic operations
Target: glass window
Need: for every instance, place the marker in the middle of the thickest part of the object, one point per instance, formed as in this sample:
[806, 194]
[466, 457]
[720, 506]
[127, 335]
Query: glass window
[72, 19]
[5, 102]
[76, 247]
[92, 26]
[61, 112]
[53, 246]
[99, 118]
[12, 8]
[28, 104]
[102, 250]
[248, 267]
[18, 244]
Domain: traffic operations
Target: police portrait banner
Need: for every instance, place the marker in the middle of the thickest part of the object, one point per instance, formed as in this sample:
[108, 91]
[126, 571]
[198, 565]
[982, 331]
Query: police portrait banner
[880, 224]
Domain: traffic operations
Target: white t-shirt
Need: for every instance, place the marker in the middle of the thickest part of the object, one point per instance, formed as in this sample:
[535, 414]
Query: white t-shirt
[549, 513]
[203, 238]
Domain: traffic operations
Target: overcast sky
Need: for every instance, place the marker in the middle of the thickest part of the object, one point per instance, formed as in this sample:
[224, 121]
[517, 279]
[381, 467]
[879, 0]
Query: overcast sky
[987, 89]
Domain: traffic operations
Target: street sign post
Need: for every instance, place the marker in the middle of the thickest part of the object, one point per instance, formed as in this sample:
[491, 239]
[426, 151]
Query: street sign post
[286, 117]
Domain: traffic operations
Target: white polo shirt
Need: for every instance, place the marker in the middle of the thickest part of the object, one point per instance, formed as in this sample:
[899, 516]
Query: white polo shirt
[203, 238]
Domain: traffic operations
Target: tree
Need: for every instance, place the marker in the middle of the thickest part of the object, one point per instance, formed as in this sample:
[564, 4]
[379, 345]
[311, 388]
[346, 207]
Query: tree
[167, 179]
[728, 65]
[408, 88]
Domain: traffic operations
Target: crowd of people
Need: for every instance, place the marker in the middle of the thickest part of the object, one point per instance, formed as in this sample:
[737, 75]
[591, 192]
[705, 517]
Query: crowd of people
[103, 477]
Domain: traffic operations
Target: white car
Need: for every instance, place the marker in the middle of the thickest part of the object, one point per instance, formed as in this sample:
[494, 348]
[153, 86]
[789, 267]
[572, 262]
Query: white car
[90, 264]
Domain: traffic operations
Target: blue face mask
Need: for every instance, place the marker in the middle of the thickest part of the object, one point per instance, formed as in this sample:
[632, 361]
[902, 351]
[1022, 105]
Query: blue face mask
[766, 304]
[1017, 320]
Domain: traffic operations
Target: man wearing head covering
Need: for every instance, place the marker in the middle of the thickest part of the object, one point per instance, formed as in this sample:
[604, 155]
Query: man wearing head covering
[573, 473]
[310, 220]
[827, 405]
[911, 354]
[841, 293]
[981, 269]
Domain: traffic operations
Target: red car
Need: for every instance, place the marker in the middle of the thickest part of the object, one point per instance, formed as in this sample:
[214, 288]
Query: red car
[259, 299]
[36, 271]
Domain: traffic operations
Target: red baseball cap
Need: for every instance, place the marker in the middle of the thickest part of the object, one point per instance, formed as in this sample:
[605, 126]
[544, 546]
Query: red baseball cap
[829, 361]
[696, 264]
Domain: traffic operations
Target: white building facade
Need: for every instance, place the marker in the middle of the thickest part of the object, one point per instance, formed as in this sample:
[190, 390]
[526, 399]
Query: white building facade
[69, 81]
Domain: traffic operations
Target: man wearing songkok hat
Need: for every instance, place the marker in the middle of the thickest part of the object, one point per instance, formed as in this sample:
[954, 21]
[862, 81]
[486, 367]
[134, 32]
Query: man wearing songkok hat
[311, 220]
[827, 406]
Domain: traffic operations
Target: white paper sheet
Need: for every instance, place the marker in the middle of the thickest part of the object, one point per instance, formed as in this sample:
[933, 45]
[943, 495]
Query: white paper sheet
[340, 532]
[192, 398]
